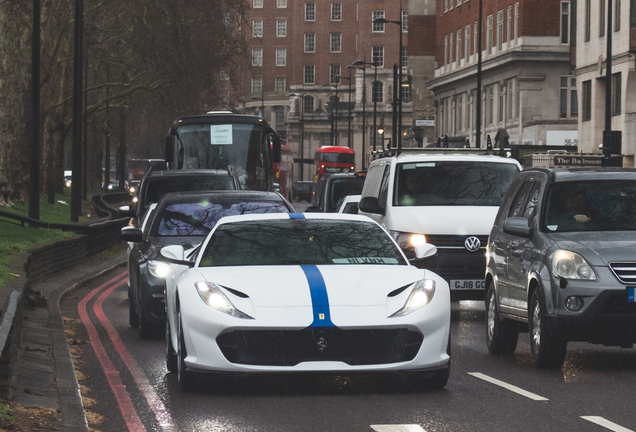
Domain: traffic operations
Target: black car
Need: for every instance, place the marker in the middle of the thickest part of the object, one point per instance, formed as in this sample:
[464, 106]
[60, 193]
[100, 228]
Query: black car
[331, 189]
[180, 219]
[157, 183]
[562, 263]
[303, 190]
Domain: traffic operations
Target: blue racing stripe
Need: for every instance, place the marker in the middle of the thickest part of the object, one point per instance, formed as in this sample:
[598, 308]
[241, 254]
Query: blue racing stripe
[296, 216]
[319, 297]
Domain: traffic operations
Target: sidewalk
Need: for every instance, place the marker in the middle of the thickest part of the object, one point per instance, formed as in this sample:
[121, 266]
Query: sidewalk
[45, 375]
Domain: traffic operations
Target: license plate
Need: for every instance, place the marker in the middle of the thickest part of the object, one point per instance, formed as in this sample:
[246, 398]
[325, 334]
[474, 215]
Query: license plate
[630, 294]
[467, 284]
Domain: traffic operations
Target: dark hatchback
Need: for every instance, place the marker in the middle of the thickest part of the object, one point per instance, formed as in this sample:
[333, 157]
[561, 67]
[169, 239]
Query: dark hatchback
[331, 189]
[562, 262]
[180, 219]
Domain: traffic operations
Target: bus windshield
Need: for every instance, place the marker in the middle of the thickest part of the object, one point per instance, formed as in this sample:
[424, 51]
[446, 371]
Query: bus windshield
[239, 146]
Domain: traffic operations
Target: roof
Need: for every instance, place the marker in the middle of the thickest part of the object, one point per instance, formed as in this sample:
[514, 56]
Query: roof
[219, 118]
[222, 196]
[334, 149]
[446, 156]
[188, 173]
[588, 173]
[286, 216]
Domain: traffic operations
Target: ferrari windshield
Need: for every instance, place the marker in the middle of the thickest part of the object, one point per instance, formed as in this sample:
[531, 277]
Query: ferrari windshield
[453, 183]
[300, 241]
[198, 219]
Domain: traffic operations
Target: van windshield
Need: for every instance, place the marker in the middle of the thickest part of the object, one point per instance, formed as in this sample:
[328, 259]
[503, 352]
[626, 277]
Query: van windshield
[458, 183]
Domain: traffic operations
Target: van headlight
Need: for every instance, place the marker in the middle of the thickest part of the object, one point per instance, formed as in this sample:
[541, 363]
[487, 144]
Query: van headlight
[214, 297]
[571, 265]
[406, 240]
[158, 269]
[421, 295]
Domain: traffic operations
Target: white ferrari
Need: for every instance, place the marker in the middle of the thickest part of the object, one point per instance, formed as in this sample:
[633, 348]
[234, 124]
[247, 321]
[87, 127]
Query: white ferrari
[285, 293]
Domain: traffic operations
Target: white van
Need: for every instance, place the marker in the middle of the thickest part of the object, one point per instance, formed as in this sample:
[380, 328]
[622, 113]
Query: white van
[448, 198]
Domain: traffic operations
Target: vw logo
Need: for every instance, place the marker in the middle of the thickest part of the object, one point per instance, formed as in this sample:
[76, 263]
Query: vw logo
[322, 344]
[472, 244]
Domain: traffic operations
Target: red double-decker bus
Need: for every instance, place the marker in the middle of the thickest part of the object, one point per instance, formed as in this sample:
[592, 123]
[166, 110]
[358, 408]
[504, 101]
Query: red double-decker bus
[333, 159]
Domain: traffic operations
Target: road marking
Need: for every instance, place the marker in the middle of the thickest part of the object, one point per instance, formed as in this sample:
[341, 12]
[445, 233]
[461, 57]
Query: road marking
[606, 423]
[507, 386]
[397, 428]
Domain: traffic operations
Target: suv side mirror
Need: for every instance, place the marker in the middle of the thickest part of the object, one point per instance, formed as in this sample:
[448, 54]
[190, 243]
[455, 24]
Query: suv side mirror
[131, 234]
[371, 205]
[518, 226]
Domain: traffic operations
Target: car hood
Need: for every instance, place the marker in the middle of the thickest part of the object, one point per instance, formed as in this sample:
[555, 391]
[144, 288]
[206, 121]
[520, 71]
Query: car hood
[599, 247]
[294, 286]
[449, 220]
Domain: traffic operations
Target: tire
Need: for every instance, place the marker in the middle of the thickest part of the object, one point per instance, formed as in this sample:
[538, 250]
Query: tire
[547, 351]
[133, 317]
[501, 335]
[171, 355]
[145, 328]
[185, 377]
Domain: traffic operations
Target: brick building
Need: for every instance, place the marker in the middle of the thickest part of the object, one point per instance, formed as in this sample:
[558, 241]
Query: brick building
[301, 51]
[528, 79]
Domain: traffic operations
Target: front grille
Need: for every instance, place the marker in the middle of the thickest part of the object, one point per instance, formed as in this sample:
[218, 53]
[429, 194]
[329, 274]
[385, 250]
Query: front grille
[625, 272]
[290, 347]
[454, 241]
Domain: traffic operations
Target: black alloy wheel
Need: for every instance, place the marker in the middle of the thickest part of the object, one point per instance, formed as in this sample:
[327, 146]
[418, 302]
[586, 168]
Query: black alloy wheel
[501, 335]
[547, 351]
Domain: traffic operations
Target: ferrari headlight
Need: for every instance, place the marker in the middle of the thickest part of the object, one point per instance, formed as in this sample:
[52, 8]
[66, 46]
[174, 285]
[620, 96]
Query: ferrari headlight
[158, 269]
[408, 241]
[421, 295]
[571, 265]
[214, 297]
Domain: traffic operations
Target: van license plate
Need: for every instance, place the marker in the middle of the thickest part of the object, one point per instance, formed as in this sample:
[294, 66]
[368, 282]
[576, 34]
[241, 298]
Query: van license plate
[467, 284]
[630, 294]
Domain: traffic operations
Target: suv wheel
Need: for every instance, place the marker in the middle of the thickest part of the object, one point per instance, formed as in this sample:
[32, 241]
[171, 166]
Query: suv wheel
[501, 335]
[547, 351]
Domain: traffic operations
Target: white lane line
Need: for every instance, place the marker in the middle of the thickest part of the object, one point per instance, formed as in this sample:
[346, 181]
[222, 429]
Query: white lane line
[606, 423]
[397, 428]
[507, 386]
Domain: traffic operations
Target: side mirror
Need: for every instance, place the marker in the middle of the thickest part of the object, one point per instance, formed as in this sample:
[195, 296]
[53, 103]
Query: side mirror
[131, 234]
[169, 149]
[312, 209]
[175, 254]
[518, 226]
[371, 205]
[425, 251]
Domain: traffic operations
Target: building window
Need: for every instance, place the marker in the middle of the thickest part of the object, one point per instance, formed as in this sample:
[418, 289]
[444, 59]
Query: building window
[490, 105]
[475, 40]
[565, 22]
[281, 57]
[568, 101]
[281, 4]
[516, 23]
[467, 42]
[616, 93]
[460, 113]
[281, 28]
[588, 19]
[334, 74]
[509, 26]
[459, 2]
[280, 114]
[459, 54]
[601, 15]
[502, 99]
[257, 56]
[445, 5]
[310, 11]
[257, 28]
[280, 85]
[257, 4]
[336, 42]
[257, 85]
[377, 92]
[617, 15]
[500, 30]
[308, 103]
[405, 56]
[377, 55]
[377, 27]
[509, 99]
[405, 21]
[336, 11]
[310, 75]
[445, 50]
[450, 50]
[489, 40]
[405, 92]
[310, 42]
[587, 100]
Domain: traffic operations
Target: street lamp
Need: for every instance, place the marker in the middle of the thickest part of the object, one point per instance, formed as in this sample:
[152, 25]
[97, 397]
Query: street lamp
[355, 65]
[399, 98]
[334, 137]
[302, 133]
[381, 133]
[349, 107]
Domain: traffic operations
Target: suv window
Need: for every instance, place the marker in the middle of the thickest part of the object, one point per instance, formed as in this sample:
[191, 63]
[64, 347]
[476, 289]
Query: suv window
[519, 204]
[447, 183]
[340, 188]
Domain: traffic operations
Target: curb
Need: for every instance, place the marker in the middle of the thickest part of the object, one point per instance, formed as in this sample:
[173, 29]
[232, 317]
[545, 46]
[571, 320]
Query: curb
[70, 398]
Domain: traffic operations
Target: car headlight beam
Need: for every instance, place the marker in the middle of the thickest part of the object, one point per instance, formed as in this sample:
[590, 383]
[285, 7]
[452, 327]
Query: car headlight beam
[213, 296]
[421, 295]
[570, 265]
[407, 240]
[158, 269]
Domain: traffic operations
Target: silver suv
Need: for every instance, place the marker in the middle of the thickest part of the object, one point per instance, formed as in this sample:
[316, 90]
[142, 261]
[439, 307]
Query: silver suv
[562, 262]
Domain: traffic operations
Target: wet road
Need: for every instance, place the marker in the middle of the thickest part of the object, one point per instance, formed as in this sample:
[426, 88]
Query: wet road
[126, 378]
